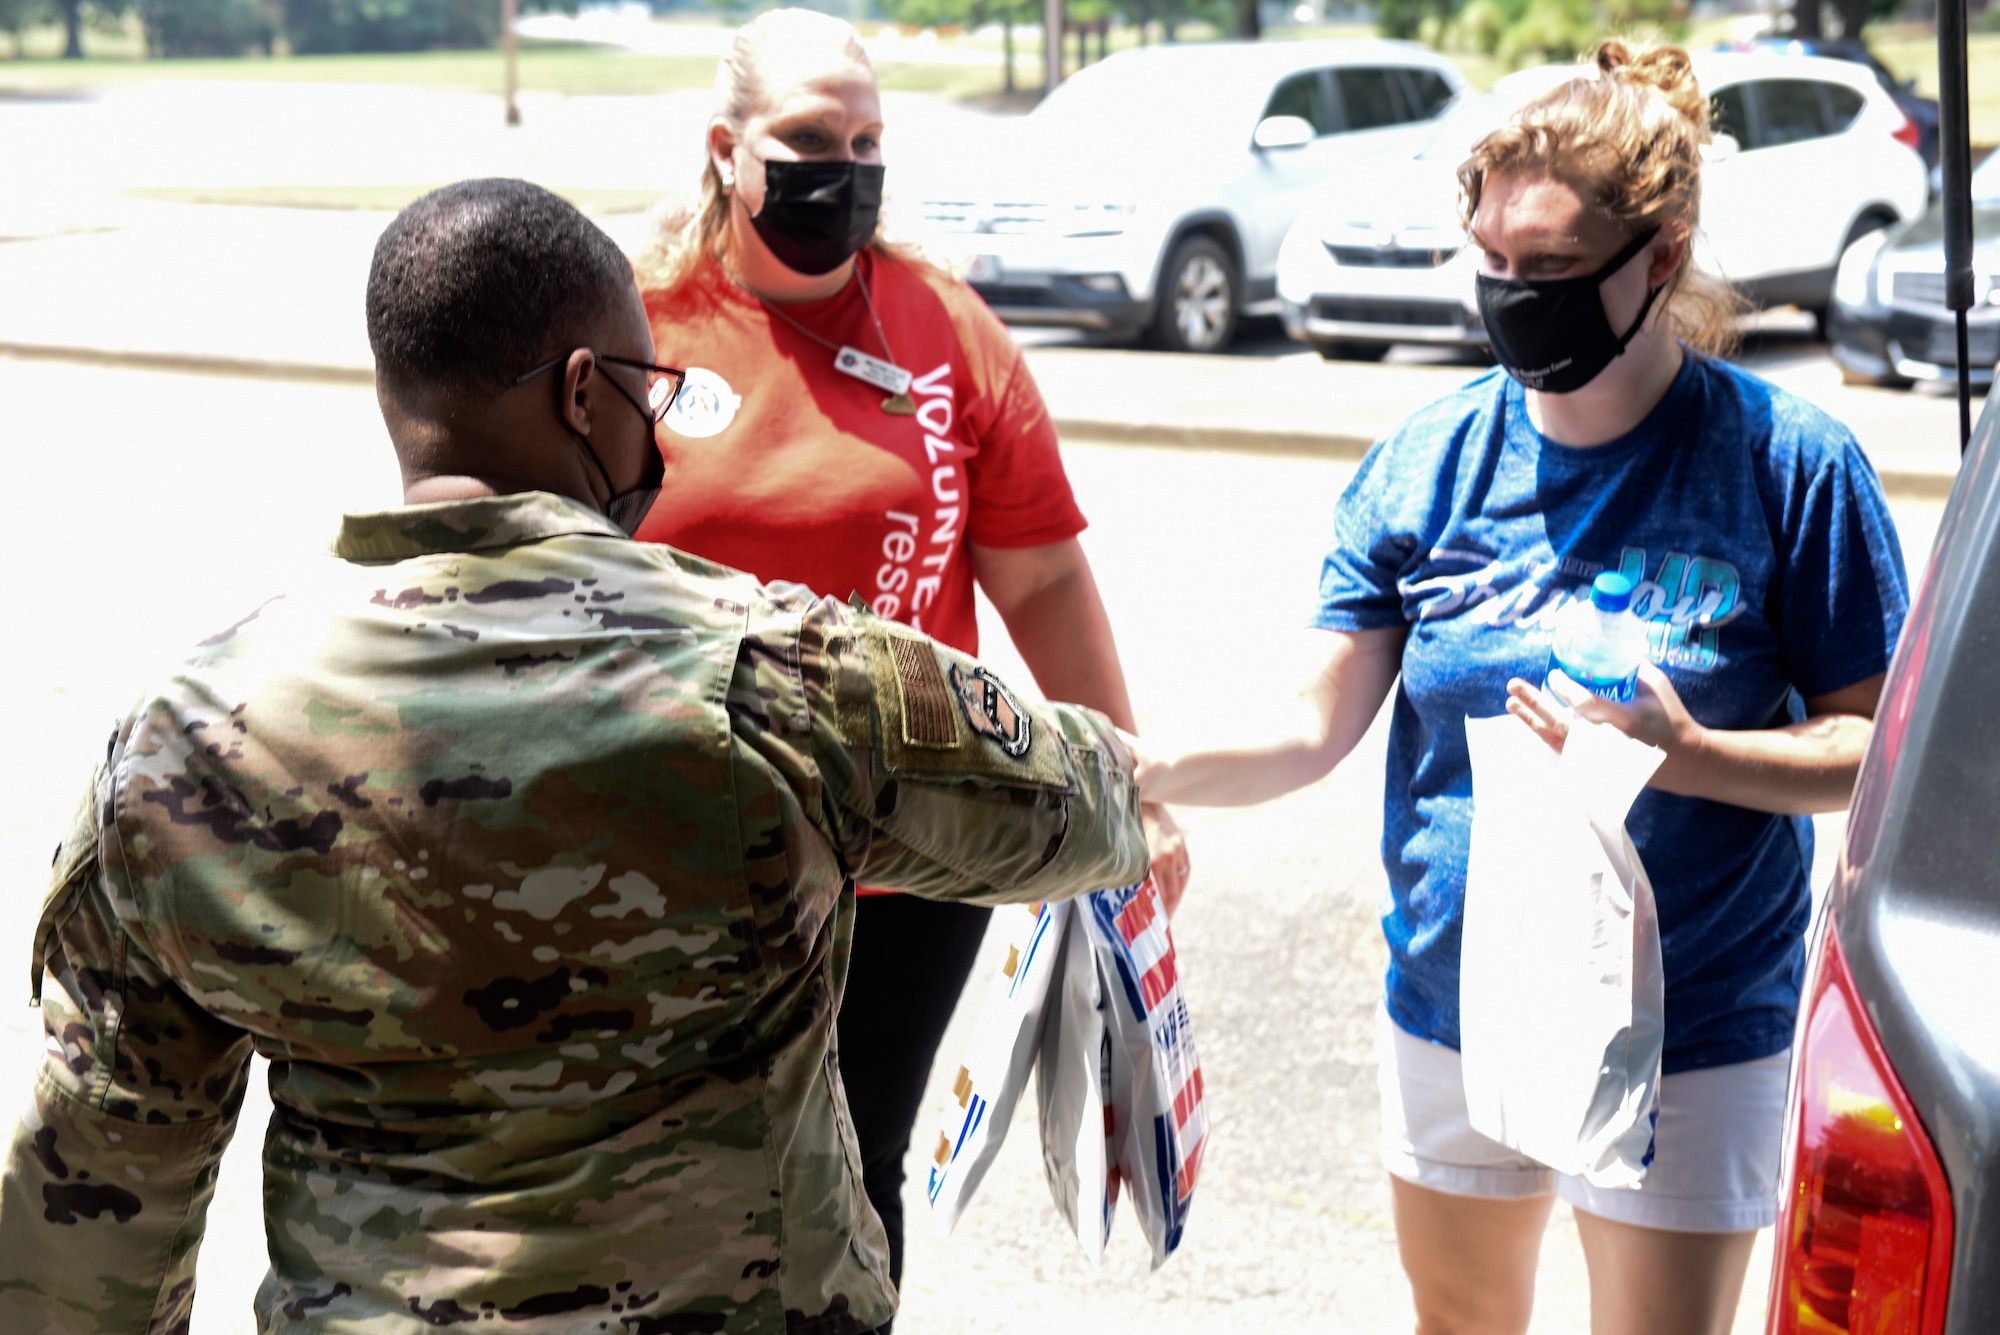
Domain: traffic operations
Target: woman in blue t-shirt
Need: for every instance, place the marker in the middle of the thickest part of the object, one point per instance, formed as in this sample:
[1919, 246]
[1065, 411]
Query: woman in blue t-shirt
[1766, 563]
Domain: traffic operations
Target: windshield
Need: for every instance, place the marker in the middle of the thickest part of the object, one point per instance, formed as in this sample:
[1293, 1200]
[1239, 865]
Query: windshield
[1465, 125]
[1473, 119]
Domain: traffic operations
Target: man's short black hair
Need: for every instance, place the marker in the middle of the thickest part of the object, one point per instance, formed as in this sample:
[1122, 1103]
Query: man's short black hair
[478, 282]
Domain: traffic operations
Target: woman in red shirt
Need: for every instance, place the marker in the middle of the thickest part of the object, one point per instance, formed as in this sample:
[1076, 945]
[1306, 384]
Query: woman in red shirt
[857, 421]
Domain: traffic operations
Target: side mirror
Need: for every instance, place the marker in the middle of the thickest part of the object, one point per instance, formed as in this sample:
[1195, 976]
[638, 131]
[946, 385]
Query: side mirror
[1721, 148]
[1283, 132]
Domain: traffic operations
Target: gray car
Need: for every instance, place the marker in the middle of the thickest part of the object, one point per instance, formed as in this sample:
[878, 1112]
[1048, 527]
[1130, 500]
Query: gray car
[1888, 324]
[1890, 1199]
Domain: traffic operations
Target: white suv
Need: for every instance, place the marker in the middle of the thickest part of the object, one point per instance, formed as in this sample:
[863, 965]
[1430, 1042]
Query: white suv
[1150, 192]
[1811, 155]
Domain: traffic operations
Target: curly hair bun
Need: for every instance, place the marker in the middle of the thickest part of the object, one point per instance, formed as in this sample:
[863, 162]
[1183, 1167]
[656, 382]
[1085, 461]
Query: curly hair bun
[1628, 134]
[1664, 69]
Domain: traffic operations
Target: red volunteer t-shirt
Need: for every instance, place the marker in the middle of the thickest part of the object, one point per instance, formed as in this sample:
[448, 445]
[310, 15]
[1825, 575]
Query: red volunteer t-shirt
[783, 466]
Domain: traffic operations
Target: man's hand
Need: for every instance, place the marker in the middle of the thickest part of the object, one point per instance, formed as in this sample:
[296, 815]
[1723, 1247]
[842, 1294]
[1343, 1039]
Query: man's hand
[1656, 715]
[1169, 849]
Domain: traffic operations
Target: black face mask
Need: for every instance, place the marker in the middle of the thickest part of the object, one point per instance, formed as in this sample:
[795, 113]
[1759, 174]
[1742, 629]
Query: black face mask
[816, 215]
[628, 509]
[1553, 335]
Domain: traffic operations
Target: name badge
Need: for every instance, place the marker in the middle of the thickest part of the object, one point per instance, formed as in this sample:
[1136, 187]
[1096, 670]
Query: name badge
[881, 374]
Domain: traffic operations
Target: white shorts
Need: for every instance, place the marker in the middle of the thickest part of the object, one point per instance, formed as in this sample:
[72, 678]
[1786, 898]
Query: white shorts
[1716, 1146]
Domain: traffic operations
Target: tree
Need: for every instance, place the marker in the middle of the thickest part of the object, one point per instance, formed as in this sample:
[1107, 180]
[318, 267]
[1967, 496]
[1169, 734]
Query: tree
[318, 27]
[1856, 14]
[1404, 19]
[1009, 14]
[76, 13]
[16, 15]
[1170, 14]
[1531, 31]
[206, 27]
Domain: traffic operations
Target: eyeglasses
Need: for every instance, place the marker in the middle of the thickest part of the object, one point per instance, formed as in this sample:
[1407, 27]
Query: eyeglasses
[663, 383]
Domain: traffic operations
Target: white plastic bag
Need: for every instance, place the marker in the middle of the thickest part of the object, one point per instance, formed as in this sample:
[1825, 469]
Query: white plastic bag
[1159, 1122]
[1072, 1073]
[1005, 1042]
[1092, 1000]
[1561, 992]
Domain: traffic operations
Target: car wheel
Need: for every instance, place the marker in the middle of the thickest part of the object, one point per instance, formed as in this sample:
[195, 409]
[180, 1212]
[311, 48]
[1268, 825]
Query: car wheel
[1197, 307]
[1350, 350]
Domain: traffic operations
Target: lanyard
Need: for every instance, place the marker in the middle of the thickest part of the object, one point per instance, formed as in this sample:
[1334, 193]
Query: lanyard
[883, 374]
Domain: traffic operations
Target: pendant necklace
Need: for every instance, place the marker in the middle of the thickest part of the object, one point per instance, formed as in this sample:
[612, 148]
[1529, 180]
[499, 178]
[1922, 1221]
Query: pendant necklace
[876, 371]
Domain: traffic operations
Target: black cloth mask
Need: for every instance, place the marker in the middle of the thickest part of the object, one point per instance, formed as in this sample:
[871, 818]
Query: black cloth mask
[1553, 335]
[628, 509]
[816, 215]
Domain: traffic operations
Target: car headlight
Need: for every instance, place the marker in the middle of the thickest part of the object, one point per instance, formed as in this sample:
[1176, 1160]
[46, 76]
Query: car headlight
[1854, 280]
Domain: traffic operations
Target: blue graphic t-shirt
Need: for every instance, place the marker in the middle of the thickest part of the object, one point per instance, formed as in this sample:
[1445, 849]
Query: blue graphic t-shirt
[1768, 566]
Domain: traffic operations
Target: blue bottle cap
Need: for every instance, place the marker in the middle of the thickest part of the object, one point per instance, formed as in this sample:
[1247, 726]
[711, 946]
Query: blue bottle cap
[1611, 592]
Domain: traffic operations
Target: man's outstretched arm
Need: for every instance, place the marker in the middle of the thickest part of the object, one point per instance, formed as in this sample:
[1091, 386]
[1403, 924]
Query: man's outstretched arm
[944, 783]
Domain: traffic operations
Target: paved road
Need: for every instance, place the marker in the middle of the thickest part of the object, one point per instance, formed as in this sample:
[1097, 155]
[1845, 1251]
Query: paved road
[161, 505]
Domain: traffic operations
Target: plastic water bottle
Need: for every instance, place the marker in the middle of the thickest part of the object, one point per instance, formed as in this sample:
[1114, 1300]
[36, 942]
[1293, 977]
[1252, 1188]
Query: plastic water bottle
[1599, 643]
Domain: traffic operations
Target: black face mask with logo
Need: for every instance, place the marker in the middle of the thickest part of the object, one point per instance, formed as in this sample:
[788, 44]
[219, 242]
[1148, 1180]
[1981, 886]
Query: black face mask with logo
[816, 215]
[1553, 335]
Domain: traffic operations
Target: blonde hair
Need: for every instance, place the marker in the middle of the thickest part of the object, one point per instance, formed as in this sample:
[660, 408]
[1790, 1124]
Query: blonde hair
[1627, 134]
[684, 230]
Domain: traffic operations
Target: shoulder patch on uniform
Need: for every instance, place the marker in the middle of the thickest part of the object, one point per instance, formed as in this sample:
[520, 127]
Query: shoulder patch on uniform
[991, 710]
[923, 690]
[927, 720]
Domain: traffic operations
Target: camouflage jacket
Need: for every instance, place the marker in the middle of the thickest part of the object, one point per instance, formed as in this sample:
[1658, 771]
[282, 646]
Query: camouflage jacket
[526, 854]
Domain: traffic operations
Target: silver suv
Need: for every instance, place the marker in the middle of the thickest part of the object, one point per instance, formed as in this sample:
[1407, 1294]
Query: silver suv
[1149, 194]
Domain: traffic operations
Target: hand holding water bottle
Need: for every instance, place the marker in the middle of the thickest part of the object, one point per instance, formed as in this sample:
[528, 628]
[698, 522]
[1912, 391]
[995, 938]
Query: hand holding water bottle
[1605, 644]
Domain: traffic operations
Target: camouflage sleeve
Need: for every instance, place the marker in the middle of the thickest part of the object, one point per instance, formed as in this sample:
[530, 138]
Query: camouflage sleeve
[940, 781]
[111, 1167]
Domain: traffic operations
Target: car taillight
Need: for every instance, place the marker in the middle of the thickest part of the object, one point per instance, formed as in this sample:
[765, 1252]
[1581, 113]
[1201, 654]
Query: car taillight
[1864, 1231]
[1909, 136]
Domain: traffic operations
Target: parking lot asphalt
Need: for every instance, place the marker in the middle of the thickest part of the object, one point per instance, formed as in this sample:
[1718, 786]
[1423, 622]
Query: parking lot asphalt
[276, 293]
[204, 494]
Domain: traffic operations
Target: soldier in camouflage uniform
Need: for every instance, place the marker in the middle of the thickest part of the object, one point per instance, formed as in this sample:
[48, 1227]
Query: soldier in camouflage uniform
[526, 854]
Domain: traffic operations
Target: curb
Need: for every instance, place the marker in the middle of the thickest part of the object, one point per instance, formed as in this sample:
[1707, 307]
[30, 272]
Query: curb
[1910, 484]
[1913, 484]
[1902, 484]
[1228, 439]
